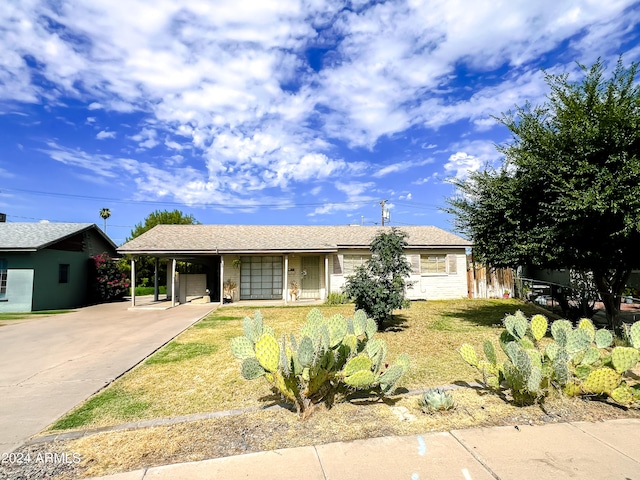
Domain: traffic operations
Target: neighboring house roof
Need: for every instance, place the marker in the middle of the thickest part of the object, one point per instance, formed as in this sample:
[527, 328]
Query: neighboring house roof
[202, 239]
[31, 237]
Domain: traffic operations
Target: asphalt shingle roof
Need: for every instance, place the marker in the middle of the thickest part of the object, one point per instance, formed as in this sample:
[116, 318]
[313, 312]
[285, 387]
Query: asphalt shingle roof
[275, 238]
[35, 236]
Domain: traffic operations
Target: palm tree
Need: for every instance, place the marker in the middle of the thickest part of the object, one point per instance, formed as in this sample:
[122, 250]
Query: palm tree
[104, 214]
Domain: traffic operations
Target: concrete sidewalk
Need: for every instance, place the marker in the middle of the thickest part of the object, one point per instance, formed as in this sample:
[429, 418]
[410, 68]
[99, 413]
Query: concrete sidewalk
[49, 365]
[580, 450]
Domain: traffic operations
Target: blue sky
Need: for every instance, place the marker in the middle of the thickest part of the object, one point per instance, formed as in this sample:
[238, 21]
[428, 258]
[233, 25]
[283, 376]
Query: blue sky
[277, 111]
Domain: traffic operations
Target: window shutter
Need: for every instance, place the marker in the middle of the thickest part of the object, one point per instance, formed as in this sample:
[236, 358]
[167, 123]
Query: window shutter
[414, 260]
[452, 260]
[337, 264]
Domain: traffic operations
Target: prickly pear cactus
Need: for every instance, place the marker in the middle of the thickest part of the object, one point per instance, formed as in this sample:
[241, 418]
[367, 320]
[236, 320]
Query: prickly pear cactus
[331, 356]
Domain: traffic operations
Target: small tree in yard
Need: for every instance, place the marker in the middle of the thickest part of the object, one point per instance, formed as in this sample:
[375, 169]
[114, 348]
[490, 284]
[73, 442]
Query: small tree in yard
[378, 286]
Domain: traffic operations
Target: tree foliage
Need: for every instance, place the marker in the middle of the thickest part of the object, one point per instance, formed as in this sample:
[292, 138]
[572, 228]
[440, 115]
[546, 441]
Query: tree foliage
[568, 194]
[144, 265]
[378, 286]
[162, 217]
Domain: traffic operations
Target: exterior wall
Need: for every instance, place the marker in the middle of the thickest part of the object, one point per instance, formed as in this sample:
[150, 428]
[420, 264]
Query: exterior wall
[192, 285]
[48, 292]
[423, 286]
[19, 297]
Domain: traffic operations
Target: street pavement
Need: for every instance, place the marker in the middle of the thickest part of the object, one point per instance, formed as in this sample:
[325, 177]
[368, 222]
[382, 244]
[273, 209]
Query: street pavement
[49, 365]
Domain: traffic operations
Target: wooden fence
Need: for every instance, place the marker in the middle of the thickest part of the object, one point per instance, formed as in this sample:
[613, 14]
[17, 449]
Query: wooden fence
[483, 282]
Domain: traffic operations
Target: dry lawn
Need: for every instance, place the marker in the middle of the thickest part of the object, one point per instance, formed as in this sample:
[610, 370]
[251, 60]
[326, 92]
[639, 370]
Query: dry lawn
[430, 332]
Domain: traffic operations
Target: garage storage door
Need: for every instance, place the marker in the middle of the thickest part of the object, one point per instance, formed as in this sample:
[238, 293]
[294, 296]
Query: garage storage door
[261, 278]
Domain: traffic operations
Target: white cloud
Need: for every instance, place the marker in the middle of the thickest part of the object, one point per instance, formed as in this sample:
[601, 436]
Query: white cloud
[229, 81]
[105, 134]
[460, 164]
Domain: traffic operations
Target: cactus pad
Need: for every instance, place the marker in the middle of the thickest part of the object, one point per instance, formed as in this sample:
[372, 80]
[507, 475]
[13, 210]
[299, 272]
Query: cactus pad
[634, 335]
[351, 342]
[370, 328]
[578, 340]
[337, 326]
[390, 377]
[603, 338]
[551, 350]
[587, 325]
[624, 358]
[538, 326]
[357, 364]
[602, 380]
[361, 379]
[242, 347]
[468, 354]
[623, 395]
[403, 361]
[490, 352]
[516, 325]
[268, 352]
[591, 356]
[359, 323]
[306, 352]
[251, 369]
[560, 331]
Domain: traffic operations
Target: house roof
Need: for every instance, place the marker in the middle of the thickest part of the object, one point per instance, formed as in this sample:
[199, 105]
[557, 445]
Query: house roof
[30, 237]
[207, 239]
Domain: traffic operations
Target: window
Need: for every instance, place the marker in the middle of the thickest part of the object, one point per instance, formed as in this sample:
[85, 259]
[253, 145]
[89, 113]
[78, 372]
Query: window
[3, 277]
[351, 262]
[438, 264]
[63, 273]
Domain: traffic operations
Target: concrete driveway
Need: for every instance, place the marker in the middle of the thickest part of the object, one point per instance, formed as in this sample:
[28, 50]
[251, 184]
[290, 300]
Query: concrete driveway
[49, 365]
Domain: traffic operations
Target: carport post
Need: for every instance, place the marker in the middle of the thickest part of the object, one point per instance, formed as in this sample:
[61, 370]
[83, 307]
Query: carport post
[221, 279]
[155, 281]
[326, 277]
[133, 281]
[285, 290]
[173, 282]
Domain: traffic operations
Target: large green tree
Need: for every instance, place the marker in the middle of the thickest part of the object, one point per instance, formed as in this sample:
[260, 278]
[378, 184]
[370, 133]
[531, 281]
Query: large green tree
[162, 217]
[378, 286]
[568, 194]
[144, 265]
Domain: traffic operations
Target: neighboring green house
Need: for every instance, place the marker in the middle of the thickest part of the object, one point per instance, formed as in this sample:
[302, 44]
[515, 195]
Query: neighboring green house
[45, 266]
[268, 262]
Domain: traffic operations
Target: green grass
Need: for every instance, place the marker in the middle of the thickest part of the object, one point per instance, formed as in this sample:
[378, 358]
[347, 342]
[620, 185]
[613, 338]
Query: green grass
[140, 291]
[111, 402]
[177, 352]
[23, 315]
[197, 373]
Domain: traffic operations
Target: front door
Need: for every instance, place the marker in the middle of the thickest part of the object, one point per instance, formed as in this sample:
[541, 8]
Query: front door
[310, 283]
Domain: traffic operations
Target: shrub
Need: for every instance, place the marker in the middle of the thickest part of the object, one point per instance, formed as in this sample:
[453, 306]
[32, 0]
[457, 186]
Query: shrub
[337, 299]
[378, 287]
[330, 358]
[109, 282]
[579, 361]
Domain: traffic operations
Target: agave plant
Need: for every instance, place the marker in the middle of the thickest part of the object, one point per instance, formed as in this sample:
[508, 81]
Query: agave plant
[435, 400]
